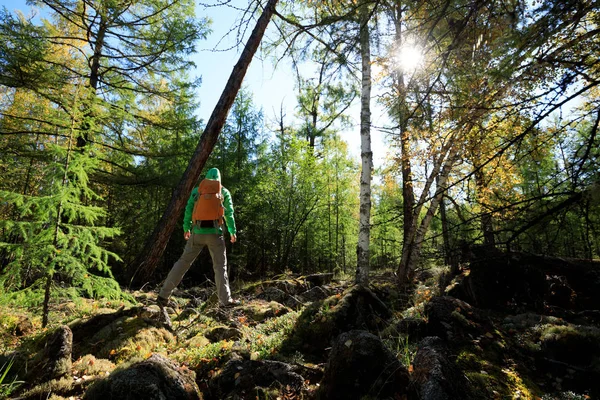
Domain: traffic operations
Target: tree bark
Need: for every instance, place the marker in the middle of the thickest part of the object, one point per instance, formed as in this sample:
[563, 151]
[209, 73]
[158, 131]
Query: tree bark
[83, 137]
[448, 256]
[408, 195]
[487, 222]
[364, 232]
[412, 249]
[150, 256]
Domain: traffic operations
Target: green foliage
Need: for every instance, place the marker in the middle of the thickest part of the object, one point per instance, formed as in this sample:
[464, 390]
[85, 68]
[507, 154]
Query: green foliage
[22, 51]
[315, 328]
[137, 107]
[56, 233]
[294, 206]
[299, 202]
[207, 355]
[6, 388]
[294, 185]
[323, 99]
[90, 365]
[386, 233]
[266, 339]
[487, 376]
[406, 351]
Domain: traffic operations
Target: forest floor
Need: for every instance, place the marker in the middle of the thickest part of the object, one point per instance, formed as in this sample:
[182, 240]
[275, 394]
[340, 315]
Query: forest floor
[289, 324]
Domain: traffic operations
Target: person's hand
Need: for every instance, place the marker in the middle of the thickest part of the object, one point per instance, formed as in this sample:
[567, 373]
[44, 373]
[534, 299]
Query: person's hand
[233, 238]
[187, 235]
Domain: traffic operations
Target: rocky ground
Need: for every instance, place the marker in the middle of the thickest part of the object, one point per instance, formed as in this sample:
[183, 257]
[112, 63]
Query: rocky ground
[508, 327]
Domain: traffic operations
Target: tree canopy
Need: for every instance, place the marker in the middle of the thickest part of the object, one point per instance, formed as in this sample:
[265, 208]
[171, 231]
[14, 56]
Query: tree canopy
[491, 127]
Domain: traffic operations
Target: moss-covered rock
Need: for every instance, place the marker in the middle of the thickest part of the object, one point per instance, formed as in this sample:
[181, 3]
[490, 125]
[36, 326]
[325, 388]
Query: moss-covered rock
[241, 378]
[435, 375]
[360, 365]
[452, 319]
[155, 378]
[501, 282]
[321, 322]
[54, 360]
[260, 310]
[89, 365]
[198, 341]
[572, 344]
[219, 333]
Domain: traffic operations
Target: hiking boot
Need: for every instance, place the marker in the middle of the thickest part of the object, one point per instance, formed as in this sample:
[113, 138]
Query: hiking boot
[162, 302]
[232, 303]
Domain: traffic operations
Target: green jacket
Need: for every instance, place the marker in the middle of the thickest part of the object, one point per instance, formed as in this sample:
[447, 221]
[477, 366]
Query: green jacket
[213, 174]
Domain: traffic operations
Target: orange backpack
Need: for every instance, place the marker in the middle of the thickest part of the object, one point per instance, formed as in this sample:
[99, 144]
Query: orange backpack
[209, 206]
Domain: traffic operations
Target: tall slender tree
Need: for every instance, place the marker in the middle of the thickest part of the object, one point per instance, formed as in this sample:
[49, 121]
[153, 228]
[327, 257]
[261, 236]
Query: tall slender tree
[149, 258]
[433, 112]
[364, 230]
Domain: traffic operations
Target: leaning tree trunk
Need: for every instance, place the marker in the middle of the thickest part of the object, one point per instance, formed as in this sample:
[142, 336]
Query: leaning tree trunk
[364, 228]
[150, 256]
[99, 43]
[412, 250]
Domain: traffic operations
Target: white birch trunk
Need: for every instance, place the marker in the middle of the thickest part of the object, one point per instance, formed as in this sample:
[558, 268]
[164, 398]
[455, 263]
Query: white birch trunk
[364, 232]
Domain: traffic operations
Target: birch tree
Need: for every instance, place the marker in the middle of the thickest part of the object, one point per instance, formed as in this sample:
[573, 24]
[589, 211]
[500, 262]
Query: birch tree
[364, 230]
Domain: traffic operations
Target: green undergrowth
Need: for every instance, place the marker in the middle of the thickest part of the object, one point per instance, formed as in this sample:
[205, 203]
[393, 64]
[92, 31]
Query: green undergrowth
[8, 382]
[314, 328]
[265, 340]
[488, 372]
[398, 342]
[497, 360]
[256, 341]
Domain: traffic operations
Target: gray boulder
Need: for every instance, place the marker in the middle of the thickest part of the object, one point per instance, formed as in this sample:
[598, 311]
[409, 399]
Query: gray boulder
[54, 360]
[314, 294]
[223, 333]
[156, 378]
[452, 319]
[240, 377]
[319, 279]
[360, 365]
[434, 376]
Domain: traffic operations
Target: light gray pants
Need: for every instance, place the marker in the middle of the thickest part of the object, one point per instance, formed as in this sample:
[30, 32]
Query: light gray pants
[195, 244]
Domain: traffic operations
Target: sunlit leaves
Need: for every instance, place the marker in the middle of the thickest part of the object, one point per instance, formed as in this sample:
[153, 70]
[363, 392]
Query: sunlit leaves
[23, 47]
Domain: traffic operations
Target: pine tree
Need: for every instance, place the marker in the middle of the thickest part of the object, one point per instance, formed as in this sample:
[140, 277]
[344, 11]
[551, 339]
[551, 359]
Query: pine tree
[59, 231]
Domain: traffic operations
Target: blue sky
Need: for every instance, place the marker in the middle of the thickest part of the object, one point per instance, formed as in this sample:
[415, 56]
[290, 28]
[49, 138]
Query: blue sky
[271, 88]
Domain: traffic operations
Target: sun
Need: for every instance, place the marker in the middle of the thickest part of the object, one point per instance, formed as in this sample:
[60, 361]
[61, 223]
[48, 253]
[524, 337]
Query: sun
[409, 57]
